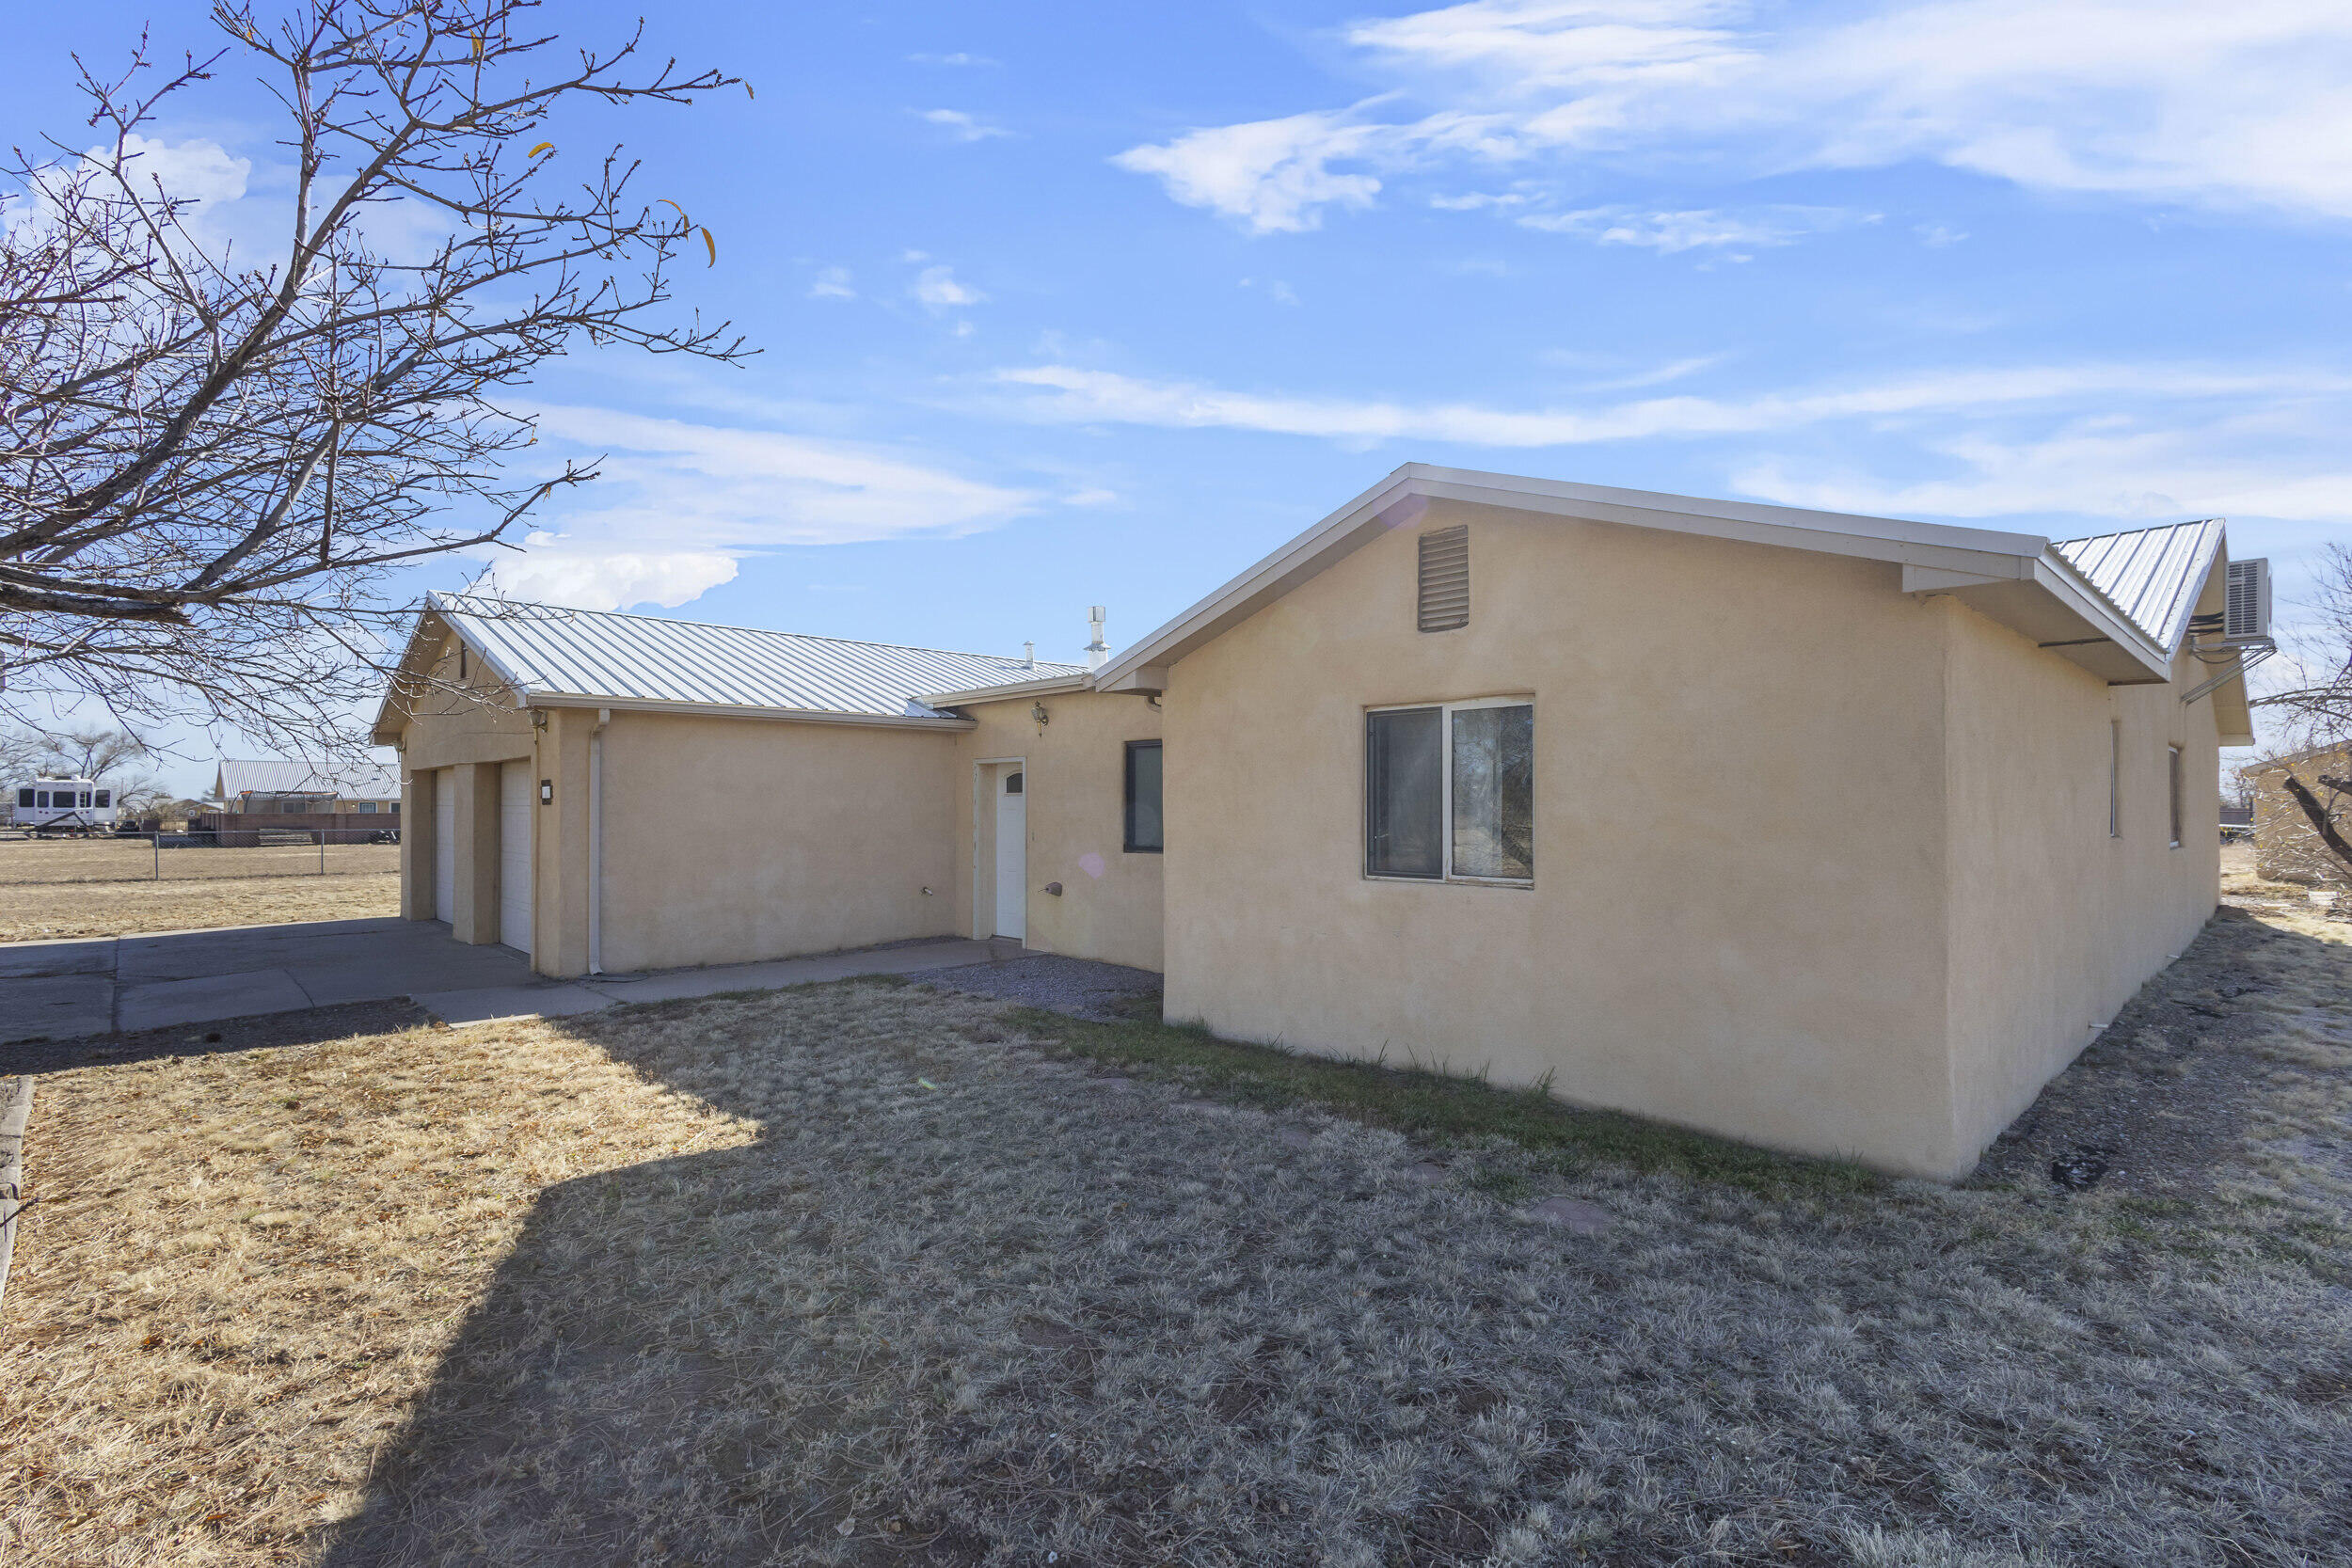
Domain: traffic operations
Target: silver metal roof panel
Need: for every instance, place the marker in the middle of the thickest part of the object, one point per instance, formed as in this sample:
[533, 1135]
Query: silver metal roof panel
[2151, 576]
[546, 651]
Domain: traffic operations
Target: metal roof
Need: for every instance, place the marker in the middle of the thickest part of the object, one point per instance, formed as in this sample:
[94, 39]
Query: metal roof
[362, 780]
[546, 651]
[2151, 576]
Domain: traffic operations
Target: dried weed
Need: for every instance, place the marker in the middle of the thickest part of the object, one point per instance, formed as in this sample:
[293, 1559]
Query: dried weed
[855, 1272]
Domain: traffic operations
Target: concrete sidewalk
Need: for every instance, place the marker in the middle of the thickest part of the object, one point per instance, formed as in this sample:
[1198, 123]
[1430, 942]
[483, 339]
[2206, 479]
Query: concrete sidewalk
[74, 989]
[560, 998]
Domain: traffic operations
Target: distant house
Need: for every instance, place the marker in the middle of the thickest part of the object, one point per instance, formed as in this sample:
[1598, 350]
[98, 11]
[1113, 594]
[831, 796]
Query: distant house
[268, 786]
[1499, 774]
[2286, 847]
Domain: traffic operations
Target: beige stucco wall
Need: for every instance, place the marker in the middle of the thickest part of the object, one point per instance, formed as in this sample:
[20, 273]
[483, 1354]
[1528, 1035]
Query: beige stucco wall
[1737, 916]
[1076, 785]
[2055, 922]
[733, 839]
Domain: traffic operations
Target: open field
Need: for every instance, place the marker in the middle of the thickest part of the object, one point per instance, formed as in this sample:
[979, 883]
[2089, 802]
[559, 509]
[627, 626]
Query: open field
[119, 860]
[866, 1273]
[39, 913]
[104, 887]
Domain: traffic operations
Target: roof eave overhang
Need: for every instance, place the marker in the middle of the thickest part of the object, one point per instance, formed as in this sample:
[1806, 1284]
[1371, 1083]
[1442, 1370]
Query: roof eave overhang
[2016, 578]
[943, 722]
[1008, 691]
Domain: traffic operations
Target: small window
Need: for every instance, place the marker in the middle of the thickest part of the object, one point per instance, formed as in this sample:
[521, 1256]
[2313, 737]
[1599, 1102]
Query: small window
[1444, 601]
[41, 800]
[2115, 778]
[105, 797]
[85, 797]
[1144, 834]
[2173, 766]
[396, 805]
[1012, 784]
[23, 797]
[1449, 792]
[365, 808]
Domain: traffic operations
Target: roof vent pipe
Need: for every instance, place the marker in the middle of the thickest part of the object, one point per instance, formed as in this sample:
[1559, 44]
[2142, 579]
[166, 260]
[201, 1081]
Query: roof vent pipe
[1028, 655]
[1097, 651]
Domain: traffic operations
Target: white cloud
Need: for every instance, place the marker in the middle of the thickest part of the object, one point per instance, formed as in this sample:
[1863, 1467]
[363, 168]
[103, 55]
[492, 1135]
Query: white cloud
[957, 58]
[961, 126]
[2177, 101]
[554, 571]
[679, 505]
[1076, 394]
[198, 170]
[1273, 174]
[937, 288]
[832, 283]
[1670, 232]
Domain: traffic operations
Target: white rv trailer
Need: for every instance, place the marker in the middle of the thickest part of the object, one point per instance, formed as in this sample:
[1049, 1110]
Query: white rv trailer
[64, 806]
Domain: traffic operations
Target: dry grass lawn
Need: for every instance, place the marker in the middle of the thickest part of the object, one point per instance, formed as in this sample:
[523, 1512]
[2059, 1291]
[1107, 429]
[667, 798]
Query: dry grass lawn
[102, 887]
[863, 1274]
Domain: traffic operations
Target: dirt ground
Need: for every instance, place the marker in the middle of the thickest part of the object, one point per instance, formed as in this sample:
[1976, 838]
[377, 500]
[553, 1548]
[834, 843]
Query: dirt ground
[865, 1274]
[56, 888]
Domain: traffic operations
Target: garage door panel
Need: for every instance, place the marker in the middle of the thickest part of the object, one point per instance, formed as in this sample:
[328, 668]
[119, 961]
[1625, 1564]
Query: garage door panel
[515, 855]
[445, 844]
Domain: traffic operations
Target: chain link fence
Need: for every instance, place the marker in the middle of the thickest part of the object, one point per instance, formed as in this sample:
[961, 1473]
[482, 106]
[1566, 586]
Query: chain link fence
[164, 856]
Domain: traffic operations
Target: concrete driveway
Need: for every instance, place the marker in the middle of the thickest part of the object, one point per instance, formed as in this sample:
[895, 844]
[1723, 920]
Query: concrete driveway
[64, 989]
[99, 985]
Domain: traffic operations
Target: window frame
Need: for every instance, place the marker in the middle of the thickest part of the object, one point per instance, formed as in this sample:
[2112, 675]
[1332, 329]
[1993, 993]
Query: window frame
[2177, 789]
[2115, 778]
[1127, 844]
[1445, 791]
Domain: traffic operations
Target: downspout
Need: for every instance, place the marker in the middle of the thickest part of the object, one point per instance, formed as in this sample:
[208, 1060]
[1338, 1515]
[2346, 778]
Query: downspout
[595, 842]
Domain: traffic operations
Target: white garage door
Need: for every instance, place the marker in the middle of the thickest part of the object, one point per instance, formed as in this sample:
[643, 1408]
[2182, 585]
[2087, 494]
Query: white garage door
[515, 855]
[445, 844]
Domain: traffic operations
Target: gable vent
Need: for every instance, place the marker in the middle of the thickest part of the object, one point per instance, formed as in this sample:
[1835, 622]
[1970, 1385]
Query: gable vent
[1445, 578]
[2246, 609]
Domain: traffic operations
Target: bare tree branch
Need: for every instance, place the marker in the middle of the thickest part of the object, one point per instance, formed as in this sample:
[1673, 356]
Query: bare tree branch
[209, 467]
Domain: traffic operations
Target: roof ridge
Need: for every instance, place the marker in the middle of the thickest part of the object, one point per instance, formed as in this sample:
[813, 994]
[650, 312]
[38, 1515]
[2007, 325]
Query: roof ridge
[444, 599]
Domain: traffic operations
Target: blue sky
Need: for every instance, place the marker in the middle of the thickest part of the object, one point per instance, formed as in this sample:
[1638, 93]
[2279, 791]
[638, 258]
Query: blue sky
[1066, 304]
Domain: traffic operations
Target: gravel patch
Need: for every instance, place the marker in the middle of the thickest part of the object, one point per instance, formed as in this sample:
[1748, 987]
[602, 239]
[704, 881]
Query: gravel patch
[1082, 988]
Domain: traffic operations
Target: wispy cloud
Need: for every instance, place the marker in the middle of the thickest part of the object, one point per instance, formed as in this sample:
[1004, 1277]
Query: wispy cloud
[937, 289]
[680, 503]
[957, 58]
[1072, 393]
[1668, 233]
[832, 283]
[961, 126]
[2172, 100]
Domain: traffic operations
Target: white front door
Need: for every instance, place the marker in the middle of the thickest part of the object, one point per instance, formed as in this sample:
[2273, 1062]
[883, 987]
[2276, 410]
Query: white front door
[445, 844]
[1013, 854]
[515, 855]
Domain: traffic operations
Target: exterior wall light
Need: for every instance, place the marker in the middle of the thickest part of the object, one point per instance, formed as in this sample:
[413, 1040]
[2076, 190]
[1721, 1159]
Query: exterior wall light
[1037, 711]
[546, 792]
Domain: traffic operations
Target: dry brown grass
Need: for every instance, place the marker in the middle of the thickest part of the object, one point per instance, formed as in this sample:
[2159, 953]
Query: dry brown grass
[102, 887]
[860, 1272]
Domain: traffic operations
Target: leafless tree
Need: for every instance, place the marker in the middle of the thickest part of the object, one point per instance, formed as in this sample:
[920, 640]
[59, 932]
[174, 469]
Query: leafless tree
[212, 465]
[2315, 708]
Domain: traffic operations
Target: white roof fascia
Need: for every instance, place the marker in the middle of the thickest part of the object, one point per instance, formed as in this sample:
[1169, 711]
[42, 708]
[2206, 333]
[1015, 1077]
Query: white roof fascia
[1042, 686]
[735, 711]
[1935, 556]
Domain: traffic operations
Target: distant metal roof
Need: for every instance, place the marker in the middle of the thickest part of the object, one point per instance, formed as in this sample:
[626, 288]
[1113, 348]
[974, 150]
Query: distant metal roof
[2151, 576]
[544, 651]
[361, 780]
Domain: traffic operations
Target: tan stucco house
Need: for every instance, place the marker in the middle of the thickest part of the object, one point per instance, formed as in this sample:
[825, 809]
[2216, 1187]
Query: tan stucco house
[1838, 835]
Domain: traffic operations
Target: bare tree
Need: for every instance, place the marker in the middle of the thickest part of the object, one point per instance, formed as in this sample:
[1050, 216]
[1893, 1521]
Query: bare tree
[211, 466]
[90, 752]
[2315, 703]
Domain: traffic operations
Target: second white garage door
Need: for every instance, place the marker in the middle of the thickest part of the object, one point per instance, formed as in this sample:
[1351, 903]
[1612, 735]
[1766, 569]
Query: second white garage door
[445, 844]
[515, 855]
